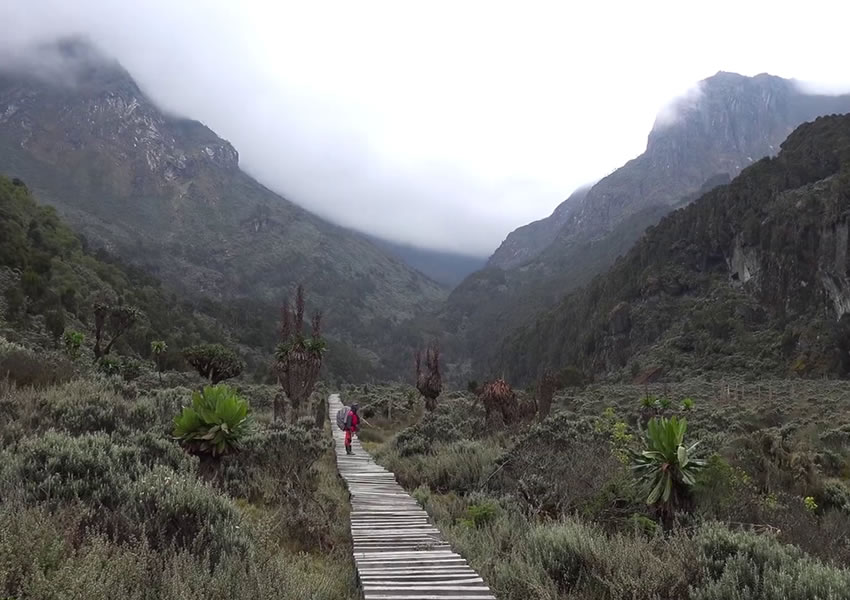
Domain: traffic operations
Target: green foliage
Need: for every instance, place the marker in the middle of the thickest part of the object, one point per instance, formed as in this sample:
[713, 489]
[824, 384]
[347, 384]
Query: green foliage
[460, 466]
[55, 468]
[214, 362]
[479, 515]
[158, 350]
[96, 500]
[810, 504]
[73, 342]
[452, 421]
[58, 278]
[215, 424]
[744, 566]
[573, 521]
[285, 455]
[666, 465]
[109, 365]
[179, 510]
[688, 404]
[650, 403]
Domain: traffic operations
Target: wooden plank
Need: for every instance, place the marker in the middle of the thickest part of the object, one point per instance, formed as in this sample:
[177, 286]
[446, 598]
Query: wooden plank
[399, 553]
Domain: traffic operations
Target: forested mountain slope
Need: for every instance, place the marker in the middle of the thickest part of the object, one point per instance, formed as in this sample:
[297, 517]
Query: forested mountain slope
[49, 282]
[168, 195]
[703, 140]
[752, 277]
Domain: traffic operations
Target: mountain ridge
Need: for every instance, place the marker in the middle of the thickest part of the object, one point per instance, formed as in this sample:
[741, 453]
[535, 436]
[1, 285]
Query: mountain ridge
[731, 122]
[751, 277]
[167, 194]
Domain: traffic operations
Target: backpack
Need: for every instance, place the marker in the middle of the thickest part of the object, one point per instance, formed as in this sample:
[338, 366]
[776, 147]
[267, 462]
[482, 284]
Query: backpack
[341, 416]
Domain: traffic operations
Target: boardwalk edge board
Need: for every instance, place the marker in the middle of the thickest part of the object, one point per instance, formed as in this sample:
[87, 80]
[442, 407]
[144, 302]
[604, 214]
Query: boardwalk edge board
[399, 553]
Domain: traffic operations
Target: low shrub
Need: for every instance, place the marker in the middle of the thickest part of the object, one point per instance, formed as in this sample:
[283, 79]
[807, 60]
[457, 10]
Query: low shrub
[78, 407]
[458, 466]
[109, 365]
[453, 420]
[176, 509]
[747, 566]
[58, 468]
[479, 514]
[42, 559]
[82, 406]
[27, 368]
[565, 465]
[275, 462]
[836, 494]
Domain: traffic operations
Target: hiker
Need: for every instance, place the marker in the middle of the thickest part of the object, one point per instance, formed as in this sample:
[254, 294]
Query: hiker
[352, 425]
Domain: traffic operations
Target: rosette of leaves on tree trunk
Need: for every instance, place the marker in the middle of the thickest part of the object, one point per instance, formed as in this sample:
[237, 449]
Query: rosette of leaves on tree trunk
[546, 387]
[110, 323]
[158, 350]
[298, 358]
[666, 466]
[499, 399]
[214, 361]
[429, 382]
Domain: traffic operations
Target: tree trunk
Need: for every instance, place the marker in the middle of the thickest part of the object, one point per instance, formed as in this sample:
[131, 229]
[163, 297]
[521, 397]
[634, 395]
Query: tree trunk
[321, 413]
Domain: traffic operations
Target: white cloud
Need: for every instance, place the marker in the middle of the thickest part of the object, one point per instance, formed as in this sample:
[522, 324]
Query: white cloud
[443, 124]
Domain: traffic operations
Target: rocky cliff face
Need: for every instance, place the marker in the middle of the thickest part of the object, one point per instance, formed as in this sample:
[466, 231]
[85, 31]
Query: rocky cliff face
[730, 122]
[703, 140]
[528, 241]
[168, 194]
[753, 276]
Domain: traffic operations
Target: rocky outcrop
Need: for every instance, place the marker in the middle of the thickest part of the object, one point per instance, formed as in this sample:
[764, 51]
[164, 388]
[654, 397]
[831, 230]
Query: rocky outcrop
[167, 194]
[751, 277]
[700, 142]
[620, 319]
[727, 124]
[528, 241]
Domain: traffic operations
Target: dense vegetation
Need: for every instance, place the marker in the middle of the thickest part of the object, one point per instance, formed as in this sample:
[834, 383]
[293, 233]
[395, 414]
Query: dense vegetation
[175, 203]
[123, 472]
[50, 283]
[97, 500]
[555, 510]
[746, 279]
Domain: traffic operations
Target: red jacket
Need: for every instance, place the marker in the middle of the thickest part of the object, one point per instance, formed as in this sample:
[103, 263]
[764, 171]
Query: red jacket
[352, 422]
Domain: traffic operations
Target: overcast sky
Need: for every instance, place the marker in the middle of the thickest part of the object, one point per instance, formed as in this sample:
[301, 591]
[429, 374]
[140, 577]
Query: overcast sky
[441, 124]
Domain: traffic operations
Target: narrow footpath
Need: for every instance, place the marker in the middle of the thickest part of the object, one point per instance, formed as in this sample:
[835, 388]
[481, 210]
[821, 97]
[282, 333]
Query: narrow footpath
[398, 552]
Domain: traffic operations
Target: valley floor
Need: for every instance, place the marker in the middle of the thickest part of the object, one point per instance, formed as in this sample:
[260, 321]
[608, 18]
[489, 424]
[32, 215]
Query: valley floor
[552, 510]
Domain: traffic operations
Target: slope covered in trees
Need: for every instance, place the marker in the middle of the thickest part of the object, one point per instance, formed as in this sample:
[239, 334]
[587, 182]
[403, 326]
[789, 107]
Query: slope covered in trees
[167, 194]
[752, 277]
[705, 139]
[50, 281]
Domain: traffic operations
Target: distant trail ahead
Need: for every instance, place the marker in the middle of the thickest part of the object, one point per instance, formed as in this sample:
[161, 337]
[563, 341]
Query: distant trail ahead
[399, 554]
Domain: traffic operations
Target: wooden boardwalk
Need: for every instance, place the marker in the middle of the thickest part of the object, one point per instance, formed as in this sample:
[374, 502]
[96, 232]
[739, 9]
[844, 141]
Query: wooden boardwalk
[398, 552]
